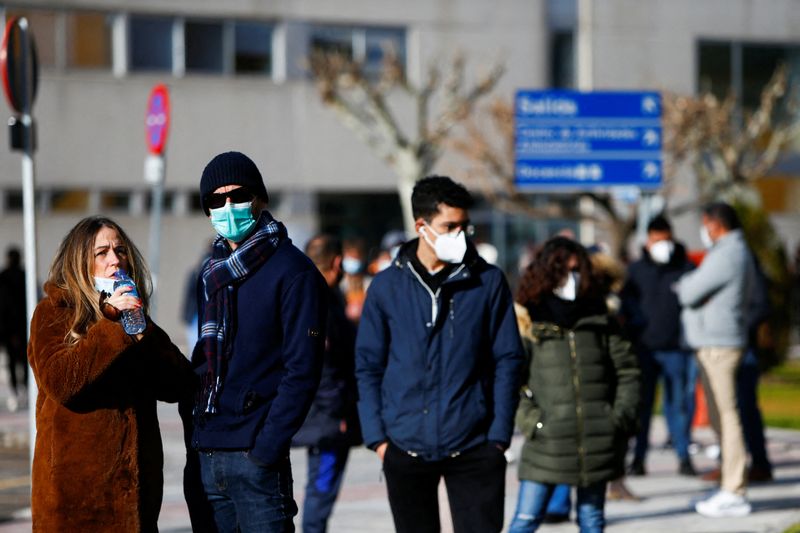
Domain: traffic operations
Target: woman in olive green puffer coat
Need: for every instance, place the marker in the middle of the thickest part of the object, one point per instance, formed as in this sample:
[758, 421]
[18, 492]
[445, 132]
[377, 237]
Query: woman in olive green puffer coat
[579, 402]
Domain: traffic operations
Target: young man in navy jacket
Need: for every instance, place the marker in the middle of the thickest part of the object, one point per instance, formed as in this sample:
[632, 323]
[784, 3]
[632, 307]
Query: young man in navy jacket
[262, 312]
[438, 358]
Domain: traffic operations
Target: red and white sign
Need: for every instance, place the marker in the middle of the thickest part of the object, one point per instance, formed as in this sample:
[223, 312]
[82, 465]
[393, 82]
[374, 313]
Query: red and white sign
[157, 120]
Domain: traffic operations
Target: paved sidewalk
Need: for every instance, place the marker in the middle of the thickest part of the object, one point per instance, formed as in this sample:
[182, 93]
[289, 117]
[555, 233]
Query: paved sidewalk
[363, 508]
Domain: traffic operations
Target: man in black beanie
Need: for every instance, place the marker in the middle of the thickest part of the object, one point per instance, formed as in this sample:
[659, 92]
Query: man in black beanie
[262, 312]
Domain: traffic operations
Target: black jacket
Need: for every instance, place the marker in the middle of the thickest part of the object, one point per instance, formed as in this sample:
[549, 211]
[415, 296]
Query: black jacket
[337, 393]
[650, 305]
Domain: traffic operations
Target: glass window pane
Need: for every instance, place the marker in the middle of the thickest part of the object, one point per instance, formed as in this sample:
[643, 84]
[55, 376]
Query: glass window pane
[88, 40]
[203, 47]
[758, 65]
[14, 200]
[253, 47]
[150, 43]
[332, 39]
[69, 200]
[562, 60]
[43, 26]
[115, 200]
[715, 69]
[381, 41]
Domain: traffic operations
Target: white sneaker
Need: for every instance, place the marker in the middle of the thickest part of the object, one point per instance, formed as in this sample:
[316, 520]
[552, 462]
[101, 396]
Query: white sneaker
[723, 504]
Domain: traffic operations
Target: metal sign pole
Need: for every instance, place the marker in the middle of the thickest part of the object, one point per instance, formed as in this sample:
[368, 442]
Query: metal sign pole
[29, 213]
[154, 252]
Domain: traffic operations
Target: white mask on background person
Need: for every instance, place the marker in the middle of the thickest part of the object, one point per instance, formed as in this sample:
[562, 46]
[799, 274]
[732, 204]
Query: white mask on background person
[705, 237]
[661, 251]
[449, 247]
[568, 290]
[351, 265]
[104, 284]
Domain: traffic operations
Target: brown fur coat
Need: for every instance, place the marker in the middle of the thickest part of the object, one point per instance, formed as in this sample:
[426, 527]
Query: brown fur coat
[98, 460]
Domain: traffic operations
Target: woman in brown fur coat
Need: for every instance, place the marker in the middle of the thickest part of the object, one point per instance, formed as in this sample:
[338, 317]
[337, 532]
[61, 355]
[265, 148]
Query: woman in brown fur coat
[98, 459]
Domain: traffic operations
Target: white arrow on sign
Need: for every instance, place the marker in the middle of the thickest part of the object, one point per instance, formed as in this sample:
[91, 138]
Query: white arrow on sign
[649, 104]
[650, 138]
[650, 170]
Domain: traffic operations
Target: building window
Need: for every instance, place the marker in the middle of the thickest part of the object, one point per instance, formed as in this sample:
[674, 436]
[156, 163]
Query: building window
[743, 68]
[43, 27]
[562, 60]
[115, 201]
[253, 48]
[14, 200]
[714, 62]
[150, 43]
[88, 40]
[204, 47]
[69, 200]
[367, 46]
[378, 43]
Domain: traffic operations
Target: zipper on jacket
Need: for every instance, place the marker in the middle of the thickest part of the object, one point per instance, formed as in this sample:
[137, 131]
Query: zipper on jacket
[434, 296]
[576, 383]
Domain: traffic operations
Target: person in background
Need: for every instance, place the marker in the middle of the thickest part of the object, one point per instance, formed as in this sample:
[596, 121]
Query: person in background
[438, 359]
[98, 460]
[14, 327]
[580, 400]
[189, 311]
[332, 426]
[715, 299]
[747, 377]
[355, 280]
[652, 319]
[263, 307]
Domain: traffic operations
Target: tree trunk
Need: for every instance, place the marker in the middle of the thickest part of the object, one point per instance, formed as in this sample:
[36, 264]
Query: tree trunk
[409, 168]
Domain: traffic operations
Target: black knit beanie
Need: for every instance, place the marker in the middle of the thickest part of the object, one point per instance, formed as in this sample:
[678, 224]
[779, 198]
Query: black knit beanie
[231, 168]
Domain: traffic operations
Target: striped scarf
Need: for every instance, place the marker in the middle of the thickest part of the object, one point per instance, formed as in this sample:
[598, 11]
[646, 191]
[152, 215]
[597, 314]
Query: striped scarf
[221, 273]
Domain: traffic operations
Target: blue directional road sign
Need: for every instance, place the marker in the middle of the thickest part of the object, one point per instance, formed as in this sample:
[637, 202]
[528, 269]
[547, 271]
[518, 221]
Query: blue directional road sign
[575, 140]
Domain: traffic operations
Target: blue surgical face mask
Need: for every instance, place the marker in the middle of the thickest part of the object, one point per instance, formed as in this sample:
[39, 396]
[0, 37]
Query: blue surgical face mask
[233, 221]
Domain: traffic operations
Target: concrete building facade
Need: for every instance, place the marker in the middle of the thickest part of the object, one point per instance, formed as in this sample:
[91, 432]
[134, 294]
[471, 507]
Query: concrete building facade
[237, 80]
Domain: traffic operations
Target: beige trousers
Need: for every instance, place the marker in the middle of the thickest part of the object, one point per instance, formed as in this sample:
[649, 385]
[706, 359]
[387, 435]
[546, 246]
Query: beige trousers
[719, 364]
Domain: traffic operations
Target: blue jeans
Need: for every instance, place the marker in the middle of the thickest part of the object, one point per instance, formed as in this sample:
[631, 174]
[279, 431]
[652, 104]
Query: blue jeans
[325, 473]
[245, 496]
[560, 502]
[533, 500]
[675, 367]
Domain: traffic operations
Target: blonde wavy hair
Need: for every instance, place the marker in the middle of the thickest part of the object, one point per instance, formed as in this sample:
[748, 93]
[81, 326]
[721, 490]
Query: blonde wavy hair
[72, 270]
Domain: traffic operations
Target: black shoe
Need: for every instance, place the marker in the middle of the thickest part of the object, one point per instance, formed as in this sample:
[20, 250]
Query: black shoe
[551, 518]
[637, 468]
[686, 468]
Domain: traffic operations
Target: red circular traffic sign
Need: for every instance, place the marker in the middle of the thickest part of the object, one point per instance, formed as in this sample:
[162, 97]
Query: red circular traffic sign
[19, 65]
[157, 119]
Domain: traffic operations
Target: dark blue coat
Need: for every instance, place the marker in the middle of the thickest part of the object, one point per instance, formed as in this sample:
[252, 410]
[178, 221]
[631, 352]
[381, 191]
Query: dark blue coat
[272, 376]
[335, 401]
[438, 373]
[649, 302]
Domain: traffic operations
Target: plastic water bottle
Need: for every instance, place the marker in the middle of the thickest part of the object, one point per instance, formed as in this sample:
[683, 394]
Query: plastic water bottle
[133, 320]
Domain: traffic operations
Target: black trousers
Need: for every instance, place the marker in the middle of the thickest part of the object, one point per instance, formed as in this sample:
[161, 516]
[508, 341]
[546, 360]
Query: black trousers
[475, 482]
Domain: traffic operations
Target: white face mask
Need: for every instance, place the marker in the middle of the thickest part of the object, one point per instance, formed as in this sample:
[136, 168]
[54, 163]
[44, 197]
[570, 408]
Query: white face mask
[568, 290]
[104, 284]
[661, 251]
[449, 247]
[705, 237]
[351, 265]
